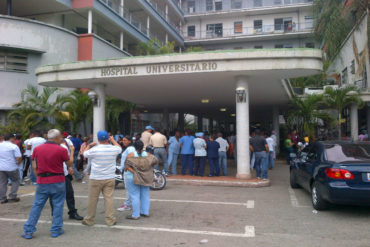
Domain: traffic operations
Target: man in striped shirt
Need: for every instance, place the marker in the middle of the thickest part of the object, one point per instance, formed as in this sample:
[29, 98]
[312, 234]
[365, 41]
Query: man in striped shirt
[103, 167]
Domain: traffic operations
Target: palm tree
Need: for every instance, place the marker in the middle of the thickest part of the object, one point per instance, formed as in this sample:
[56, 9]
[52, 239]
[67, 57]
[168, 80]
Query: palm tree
[39, 108]
[80, 108]
[340, 98]
[113, 109]
[305, 112]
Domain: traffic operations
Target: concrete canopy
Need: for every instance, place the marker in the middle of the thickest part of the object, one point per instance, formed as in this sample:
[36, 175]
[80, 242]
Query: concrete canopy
[180, 81]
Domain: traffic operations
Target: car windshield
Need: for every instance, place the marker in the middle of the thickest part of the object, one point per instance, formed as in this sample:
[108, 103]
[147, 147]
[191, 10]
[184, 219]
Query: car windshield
[346, 153]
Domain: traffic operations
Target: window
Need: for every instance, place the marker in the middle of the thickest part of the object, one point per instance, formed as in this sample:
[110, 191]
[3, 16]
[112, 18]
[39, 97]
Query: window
[214, 30]
[236, 4]
[287, 1]
[191, 6]
[257, 3]
[218, 5]
[257, 26]
[308, 22]
[258, 47]
[238, 48]
[238, 27]
[13, 61]
[279, 46]
[277, 2]
[288, 46]
[209, 5]
[310, 45]
[191, 31]
[344, 76]
[278, 24]
[353, 67]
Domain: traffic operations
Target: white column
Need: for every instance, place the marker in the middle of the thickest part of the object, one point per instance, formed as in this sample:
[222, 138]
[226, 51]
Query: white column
[89, 21]
[122, 5]
[166, 11]
[121, 41]
[148, 26]
[99, 110]
[242, 131]
[368, 118]
[276, 126]
[354, 122]
[166, 40]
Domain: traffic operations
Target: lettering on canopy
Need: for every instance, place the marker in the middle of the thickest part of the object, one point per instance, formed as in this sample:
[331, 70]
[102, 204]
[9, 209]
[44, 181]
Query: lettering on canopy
[158, 69]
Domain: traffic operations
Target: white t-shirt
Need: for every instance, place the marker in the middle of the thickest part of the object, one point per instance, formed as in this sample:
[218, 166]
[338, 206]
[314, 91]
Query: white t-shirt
[27, 152]
[200, 147]
[103, 161]
[63, 145]
[271, 143]
[8, 154]
[35, 142]
[223, 144]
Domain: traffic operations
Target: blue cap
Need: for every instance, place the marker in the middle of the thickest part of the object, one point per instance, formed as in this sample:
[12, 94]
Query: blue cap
[149, 127]
[103, 135]
[199, 134]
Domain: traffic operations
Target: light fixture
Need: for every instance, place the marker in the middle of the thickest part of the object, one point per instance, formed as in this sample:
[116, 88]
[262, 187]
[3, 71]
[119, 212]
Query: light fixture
[205, 101]
[241, 96]
[145, 111]
[94, 98]
[222, 109]
[233, 115]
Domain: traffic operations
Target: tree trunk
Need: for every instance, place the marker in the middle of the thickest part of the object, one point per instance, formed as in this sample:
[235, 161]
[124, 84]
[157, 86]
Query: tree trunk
[339, 126]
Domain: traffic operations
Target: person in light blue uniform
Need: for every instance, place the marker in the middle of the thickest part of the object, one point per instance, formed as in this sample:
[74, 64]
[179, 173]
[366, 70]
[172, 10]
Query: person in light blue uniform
[187, 152]
[173, 151]
[127, 143]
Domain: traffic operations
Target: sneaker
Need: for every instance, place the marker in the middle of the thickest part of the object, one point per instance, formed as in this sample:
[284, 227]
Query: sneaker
[83, 182]
[265, 179]
[27, 235]
[57, 234]
[167, 174]
[22, 184]
[84, 222]
[258, 178]
[124, 208]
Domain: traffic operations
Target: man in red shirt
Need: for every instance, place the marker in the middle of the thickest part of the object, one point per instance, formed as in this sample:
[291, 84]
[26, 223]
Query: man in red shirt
[47, 164]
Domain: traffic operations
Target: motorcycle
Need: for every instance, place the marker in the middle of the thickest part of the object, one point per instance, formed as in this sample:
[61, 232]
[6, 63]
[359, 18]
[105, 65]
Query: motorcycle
[159, 182]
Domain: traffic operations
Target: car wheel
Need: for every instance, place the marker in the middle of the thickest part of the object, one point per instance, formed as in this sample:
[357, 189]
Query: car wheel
[318, 202]
[293, 180]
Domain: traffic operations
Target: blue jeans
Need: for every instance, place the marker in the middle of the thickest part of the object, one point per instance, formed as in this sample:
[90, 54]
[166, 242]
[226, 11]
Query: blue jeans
[161, 154]
[253, 160]
[187, 162]
[172, 161]
[214, 167]
[128, 201]
[77, 174]
[140, 196]
[20, 168]
[32, 175]
[222, 160]
[200, 163]
[271, 159]
[261, 164]
[57, 194]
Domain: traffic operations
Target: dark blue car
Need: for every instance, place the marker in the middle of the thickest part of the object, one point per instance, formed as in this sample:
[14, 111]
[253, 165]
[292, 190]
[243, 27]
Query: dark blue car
[334, 173]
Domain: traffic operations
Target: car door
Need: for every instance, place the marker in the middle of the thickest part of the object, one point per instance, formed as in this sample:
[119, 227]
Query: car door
[307, 167]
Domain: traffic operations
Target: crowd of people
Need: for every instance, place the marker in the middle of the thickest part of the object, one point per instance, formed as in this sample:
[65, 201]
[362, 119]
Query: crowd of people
[51, 161]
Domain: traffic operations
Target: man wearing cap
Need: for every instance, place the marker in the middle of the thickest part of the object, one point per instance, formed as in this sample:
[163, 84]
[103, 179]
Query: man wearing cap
[145, 136]
[103, 168]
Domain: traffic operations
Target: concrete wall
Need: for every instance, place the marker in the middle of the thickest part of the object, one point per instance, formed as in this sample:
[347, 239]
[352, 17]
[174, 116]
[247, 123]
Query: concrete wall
[46, 44]
[346, 55]
[103, 49]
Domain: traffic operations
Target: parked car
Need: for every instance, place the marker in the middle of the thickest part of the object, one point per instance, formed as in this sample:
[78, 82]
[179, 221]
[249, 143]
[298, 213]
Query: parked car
[334, 173]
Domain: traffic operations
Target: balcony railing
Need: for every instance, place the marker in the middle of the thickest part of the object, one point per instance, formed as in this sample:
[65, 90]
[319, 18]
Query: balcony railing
[163, 14]
[248, 6]
[249, 31]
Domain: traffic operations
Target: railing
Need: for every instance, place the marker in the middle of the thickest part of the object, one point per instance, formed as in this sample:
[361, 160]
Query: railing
[249, 31]
[163, 14]
[247, 6]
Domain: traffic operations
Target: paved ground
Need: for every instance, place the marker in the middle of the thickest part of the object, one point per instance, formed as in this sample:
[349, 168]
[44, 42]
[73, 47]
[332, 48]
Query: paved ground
[183, 215]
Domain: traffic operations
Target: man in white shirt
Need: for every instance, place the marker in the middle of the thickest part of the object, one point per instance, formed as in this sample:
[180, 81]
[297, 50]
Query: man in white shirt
[10, 160]
[103, 170]
[222, 156]
[271, 155]
[34, 142]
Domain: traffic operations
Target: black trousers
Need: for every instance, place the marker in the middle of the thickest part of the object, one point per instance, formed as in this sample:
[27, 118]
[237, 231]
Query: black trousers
[70, 197]
[27, 164]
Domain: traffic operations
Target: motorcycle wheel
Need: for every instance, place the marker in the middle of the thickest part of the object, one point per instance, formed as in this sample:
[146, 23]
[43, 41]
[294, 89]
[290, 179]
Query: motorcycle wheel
[159, 181]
